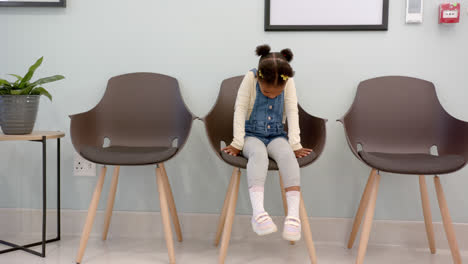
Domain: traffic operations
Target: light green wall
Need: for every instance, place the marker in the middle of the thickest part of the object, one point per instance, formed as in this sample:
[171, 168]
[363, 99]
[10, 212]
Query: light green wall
[201, 43]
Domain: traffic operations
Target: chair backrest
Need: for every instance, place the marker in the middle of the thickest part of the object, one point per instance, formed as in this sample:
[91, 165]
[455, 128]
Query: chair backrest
[394, 114]
[219, 121]
[143, 109]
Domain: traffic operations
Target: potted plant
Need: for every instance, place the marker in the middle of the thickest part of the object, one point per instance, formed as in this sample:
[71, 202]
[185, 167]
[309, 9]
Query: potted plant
[19, 101]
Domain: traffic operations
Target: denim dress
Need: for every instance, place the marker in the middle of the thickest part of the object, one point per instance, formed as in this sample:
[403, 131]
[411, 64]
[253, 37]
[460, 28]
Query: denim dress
[266, 119]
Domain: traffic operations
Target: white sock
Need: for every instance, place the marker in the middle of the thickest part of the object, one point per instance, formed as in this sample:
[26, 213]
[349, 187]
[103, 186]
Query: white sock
[256, 198]
[293, 198]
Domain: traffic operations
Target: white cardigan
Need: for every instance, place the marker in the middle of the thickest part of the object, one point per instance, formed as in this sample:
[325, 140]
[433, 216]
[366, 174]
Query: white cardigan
[244, 105]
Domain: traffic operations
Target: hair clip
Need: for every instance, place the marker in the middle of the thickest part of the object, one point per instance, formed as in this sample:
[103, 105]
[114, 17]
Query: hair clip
[285, 77]
[260, 74]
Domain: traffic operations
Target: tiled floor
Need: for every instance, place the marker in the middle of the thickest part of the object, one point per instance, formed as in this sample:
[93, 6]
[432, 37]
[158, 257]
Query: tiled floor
[134, 251]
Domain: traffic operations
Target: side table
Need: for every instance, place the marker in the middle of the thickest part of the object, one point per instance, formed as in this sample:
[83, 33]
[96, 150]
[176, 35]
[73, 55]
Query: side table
[39, 136]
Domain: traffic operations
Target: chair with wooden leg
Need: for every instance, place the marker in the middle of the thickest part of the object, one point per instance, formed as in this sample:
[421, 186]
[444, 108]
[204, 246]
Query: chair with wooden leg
[219, 128]
[397, 121]
[142, 115]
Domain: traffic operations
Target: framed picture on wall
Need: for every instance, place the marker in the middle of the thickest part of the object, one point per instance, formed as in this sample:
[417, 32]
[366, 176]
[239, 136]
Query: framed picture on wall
[38, 3]
[309, 15]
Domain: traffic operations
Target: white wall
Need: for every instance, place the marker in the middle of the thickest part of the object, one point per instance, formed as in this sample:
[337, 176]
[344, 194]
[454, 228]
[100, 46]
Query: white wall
[201, 43]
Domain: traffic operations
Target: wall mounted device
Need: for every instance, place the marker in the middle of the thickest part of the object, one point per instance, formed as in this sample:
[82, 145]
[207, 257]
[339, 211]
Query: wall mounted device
[414, 11]
[449, 13]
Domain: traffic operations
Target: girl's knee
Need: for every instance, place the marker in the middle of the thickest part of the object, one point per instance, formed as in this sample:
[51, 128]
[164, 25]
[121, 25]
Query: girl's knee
[258, 160]
[286, 157]
[259, 154]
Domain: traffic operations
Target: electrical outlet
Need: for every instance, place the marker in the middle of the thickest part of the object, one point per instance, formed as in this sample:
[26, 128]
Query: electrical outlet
[82, 167]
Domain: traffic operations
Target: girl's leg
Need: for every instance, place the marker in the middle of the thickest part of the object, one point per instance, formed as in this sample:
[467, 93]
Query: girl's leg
[257, 168]
[280, 150]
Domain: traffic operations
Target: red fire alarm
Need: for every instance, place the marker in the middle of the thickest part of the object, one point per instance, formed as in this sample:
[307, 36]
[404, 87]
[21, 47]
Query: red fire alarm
[449, 13]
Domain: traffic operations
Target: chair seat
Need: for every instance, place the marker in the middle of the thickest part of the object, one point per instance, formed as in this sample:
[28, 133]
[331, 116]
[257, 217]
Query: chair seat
[123, 155]
[420, 164]
[241, 162]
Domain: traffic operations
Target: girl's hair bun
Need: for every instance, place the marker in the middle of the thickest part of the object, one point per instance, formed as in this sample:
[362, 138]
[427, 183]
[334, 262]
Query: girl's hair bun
[263, 50]
[287, 54]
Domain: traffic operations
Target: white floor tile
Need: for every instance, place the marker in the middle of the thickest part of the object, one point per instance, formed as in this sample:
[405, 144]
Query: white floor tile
[143, 251]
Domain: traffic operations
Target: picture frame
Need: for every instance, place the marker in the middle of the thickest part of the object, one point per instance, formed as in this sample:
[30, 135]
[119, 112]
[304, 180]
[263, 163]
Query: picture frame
[322, 15]
[33, 3]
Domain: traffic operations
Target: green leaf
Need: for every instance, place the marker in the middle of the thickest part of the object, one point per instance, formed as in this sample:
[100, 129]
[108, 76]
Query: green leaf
[30, 73]
[48, 79]
[16, 87]
[4, 82]
[41, 91]
[27, 89]
[15, 92]
[18, 79]
[17, 76]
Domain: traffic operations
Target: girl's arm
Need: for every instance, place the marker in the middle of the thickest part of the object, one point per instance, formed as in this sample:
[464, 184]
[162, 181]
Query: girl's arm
[292, 115]
[241, 108]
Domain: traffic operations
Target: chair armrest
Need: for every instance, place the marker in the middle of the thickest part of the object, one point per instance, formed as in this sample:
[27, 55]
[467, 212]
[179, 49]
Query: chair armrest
[84, 130]
[313, 131]
[352, 143]
[453, 137]
[216, 133]
[184, 128]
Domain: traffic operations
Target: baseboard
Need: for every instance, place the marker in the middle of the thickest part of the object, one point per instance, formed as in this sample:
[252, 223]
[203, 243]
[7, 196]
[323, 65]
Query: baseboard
[201, 226]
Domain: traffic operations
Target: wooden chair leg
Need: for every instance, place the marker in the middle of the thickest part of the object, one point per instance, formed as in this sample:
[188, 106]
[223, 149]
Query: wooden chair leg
[447, 220]
[427, 213]
[285, 201]
[165, 214]
[172, 206]
[222, 218]
[367, 225]
[110, 201]
[231, 211]
[362, 208]
[307, 232]
[91, 214]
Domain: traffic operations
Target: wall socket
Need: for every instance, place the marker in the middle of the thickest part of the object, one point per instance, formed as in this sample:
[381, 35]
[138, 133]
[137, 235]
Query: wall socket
[82, 167]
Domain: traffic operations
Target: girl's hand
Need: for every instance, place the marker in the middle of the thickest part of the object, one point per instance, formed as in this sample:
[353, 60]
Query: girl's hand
[231, 150]
[300, 153]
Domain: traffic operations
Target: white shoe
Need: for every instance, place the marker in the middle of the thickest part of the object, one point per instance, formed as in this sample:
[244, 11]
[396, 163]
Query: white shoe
[262, 224]
[292, 229]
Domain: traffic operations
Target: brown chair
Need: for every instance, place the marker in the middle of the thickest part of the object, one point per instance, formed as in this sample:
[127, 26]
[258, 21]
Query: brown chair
[219, 128]
[392, 126]
[142, 115]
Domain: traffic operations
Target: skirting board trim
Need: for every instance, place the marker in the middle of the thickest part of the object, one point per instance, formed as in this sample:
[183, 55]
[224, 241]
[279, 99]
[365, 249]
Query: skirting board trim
[334, 231]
